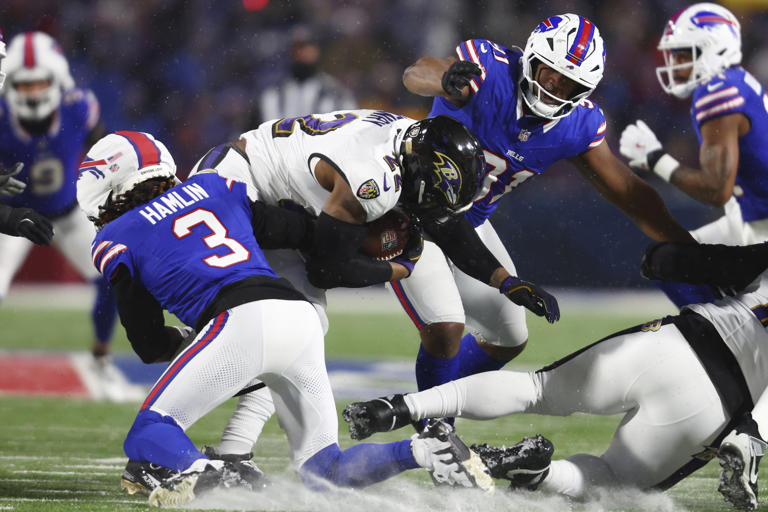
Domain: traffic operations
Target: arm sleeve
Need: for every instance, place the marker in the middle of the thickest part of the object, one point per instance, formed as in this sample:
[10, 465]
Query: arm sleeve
[7, 224]
[281, 228]
[714, 265]
[142, 317]
[335, 259]
[460, 242]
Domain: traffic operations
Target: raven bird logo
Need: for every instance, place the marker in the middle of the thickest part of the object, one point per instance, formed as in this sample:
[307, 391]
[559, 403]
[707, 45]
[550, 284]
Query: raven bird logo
[448, 177]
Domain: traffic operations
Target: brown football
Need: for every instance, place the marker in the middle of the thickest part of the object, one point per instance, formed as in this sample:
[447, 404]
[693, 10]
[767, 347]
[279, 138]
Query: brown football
[387, 236]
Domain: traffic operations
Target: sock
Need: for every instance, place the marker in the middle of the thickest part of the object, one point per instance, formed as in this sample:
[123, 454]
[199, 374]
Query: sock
[160, 440]
[473, 359]
[358, 466]
[104, 312]
[682, 294]
[432, 371]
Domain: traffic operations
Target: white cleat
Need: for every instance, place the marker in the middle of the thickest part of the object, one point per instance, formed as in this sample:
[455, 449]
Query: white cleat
[740, 455]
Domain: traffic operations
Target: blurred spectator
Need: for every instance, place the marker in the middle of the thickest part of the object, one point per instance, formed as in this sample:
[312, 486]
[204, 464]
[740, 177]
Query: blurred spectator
[307, 89]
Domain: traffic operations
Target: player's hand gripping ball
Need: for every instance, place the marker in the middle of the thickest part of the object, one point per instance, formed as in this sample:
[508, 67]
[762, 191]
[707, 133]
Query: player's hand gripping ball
[387, 236]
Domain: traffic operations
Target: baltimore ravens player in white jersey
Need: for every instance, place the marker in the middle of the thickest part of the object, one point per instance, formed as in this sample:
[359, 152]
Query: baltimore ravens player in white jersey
[528, 109]
[682, 383]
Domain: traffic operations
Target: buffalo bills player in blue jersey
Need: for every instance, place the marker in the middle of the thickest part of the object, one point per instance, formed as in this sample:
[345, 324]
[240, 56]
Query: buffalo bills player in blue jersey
[195, 249]
[46, 123]
[19, 221]
[529, 109]
[729, 109]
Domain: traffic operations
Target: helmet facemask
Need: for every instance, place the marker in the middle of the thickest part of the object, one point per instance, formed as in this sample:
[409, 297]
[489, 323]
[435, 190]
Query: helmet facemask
[534, 94]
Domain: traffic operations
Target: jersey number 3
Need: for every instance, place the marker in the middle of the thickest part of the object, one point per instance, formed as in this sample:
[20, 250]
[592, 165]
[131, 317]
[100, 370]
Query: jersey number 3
[183, 225]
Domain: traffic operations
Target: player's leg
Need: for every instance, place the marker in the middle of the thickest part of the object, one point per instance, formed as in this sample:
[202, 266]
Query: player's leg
[496, 325]
[13, 252]
[430, 298]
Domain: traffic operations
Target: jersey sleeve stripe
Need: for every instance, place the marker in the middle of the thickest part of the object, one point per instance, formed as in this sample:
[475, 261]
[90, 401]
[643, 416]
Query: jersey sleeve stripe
[709, 98]
[472, 53]
[596, 142]
[720, 108]
[98, 250]
[114, 251]
[462, 56]
[601, 128]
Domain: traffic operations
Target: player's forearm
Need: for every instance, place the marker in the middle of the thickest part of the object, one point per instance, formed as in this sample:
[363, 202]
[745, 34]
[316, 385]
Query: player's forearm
[645, 207]
[713, 183]
[424, 77]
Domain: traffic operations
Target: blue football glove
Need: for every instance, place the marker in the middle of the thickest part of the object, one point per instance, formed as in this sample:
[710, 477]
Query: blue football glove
[532, 297]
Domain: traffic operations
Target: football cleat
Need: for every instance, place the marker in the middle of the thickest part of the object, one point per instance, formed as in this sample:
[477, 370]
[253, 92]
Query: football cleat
[250, 474]
[525, 464]
[377, 415]
[144, 477]
[740, 455]
[192, 483]
[449, 461]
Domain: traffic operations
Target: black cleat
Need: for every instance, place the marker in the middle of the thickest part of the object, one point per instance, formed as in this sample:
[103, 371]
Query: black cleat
[525, 464]
[248, 472]
[377, 415]
[144, 477]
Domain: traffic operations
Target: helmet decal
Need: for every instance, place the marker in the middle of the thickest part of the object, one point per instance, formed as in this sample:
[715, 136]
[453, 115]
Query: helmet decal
[705, 19]
[29, 50]
[448, 177]
[578, 50]
[549, 24]
[146, 150]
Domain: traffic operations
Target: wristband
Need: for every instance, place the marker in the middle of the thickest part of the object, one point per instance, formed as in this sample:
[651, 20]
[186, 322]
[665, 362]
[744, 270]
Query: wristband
[662, 164]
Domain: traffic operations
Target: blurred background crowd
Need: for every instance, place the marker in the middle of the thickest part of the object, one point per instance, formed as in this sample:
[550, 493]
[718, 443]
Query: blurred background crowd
[192, 72]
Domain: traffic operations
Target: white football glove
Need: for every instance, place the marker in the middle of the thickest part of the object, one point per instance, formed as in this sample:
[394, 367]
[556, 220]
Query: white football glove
[10, 186]
[637, 140]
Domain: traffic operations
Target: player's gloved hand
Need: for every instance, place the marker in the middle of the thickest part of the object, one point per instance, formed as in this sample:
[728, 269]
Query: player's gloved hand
[458, 77]
[413, 248]
[10, 186]
[31, 225]
[640, 145]
[531, 296]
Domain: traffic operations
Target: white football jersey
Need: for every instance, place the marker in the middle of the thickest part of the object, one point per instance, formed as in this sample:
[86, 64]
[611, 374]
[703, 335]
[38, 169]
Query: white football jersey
[742, 322]
[359, 144]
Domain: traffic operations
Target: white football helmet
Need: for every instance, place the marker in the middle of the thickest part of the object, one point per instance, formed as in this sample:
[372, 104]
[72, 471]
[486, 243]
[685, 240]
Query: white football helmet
[2, 57]
[571, 45]
[35, 56]
[116, 163]
[713, 36]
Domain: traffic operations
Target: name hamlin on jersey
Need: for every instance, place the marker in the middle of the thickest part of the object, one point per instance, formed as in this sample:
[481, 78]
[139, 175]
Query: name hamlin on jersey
[173, 202]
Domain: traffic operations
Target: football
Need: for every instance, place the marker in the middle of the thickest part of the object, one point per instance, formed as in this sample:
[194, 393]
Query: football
[387, 236]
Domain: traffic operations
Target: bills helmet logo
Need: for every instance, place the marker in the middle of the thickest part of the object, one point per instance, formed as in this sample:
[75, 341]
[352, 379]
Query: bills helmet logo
[449, 177]
[368, 190]
[706, 19]
[549, 24]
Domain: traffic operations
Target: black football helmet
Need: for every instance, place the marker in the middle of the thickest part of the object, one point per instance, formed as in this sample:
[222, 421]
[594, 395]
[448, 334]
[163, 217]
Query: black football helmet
[442, 163]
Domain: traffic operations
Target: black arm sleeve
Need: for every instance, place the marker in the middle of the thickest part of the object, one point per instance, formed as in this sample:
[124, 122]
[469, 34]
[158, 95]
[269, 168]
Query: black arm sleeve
[142, 317]
[7, 224]
[461, 244]
[335, 259]
[714, 265]
[281, 228]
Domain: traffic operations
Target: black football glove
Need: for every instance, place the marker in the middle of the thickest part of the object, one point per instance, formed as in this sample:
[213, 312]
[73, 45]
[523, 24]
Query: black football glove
[458, 77]
[28, 223]
[413, 248]
[10, 186]
[532, 297]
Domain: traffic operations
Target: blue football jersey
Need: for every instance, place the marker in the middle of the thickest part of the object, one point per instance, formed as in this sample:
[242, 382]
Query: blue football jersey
[185, 244]
[51, 160]
[517, 146]
[736, 90]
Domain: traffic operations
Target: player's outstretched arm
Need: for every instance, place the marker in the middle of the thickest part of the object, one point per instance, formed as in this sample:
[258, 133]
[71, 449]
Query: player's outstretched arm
[638, 200]
[441, 77]
[10, 186]
[27, 223]
[718, 157]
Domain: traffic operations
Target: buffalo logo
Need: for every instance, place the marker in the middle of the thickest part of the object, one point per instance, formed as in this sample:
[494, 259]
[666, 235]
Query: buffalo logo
[549, 24]
[448, 177]
[368, 190]
[705, 19]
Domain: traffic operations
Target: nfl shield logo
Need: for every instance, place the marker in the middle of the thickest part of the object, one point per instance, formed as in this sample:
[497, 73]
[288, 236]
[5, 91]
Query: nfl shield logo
[523, 136]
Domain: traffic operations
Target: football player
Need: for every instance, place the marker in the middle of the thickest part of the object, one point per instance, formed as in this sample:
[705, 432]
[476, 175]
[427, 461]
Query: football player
[529, 109]
[701, 45]
[47, 123]
[19, 221]
[194, 249]
[682, 383]
[348, 168]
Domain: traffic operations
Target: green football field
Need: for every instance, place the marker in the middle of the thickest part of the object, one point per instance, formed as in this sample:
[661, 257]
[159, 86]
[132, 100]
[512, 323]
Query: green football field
[64, 455]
